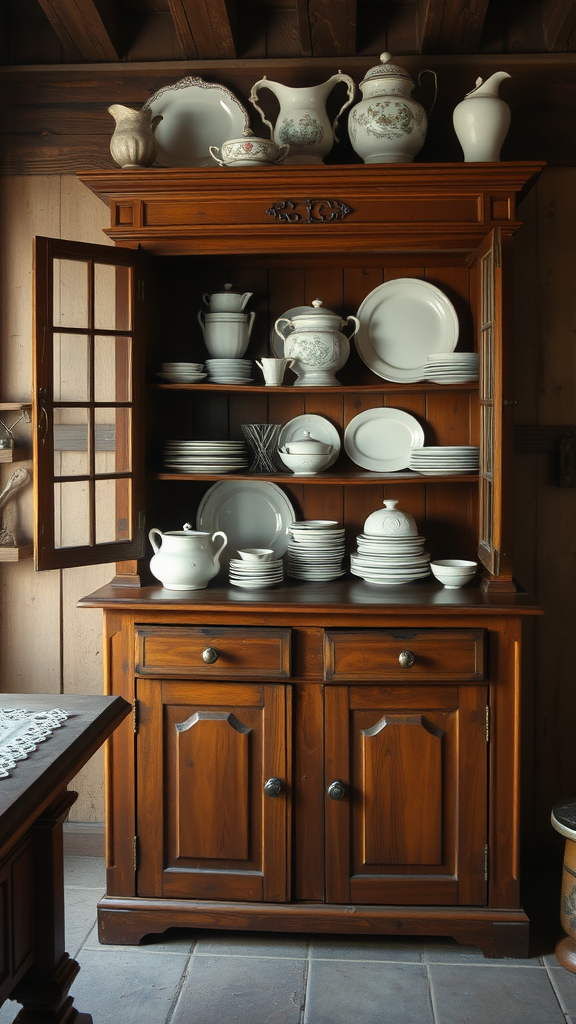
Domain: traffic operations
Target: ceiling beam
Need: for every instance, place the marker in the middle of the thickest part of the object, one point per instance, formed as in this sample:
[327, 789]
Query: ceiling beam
[205, 28]
[89, 30]
[451, 26]
[333, 27]
[559, 24]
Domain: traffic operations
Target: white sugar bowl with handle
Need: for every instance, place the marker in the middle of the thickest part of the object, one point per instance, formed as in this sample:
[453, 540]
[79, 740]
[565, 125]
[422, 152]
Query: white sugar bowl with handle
[314, 340]
[185, 559]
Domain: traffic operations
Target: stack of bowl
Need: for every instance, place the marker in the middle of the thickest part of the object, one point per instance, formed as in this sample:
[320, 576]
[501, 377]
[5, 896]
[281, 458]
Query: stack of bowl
[315, 550]
[256, 568]
[390, 551]
[453, 572]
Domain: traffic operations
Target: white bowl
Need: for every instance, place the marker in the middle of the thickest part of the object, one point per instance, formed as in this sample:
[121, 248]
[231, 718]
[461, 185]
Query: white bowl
[453, 572]
[305, 465]
[256, 554]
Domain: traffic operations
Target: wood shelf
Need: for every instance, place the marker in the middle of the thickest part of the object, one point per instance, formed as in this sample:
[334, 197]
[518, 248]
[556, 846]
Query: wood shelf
[14, 455]
[17, 554]
[343, 389]
[361, 477]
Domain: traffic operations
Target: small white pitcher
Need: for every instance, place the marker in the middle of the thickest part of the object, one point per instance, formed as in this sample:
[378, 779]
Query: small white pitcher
[274, 370]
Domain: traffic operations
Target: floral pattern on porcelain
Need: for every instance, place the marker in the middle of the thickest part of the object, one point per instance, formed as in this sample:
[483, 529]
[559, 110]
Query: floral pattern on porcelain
[313, 349]
[305, 131]
[385, 123]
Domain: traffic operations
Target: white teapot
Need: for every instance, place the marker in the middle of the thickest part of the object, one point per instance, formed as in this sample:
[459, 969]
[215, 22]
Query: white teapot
[314, 341]
[227, 301]
[186, 559]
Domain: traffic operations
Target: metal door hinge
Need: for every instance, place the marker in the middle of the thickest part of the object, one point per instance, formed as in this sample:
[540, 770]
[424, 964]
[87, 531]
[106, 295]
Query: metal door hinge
[135, 714]
[486, 863]
[487, 723]
[136, 845]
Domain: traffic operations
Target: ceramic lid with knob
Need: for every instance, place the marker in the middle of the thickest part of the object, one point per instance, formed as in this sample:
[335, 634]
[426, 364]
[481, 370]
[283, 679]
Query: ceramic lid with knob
[390, 522]
[306, 445]
[316, 316]
[386, 70]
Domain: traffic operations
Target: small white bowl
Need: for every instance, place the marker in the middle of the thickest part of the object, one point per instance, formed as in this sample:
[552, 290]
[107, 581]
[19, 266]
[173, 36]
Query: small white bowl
[305, 465]
[453, 572]
[256, 554]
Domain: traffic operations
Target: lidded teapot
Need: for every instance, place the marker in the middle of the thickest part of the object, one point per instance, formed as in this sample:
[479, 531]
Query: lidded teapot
[227, 301]
[314, 341]
[186, 559]
[387, 125]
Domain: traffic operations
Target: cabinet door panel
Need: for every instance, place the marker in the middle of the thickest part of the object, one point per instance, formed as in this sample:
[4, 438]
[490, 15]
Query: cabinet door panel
[206, 828]
[411, 827]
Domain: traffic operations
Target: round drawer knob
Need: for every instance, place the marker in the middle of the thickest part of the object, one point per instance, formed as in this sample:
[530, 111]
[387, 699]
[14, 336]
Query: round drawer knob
[336, 790]
[273, 786]
[210, 655]
[406, 659]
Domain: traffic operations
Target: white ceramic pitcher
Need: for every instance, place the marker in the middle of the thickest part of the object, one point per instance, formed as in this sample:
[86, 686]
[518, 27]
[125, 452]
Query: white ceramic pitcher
[133, 143]
[186, 559]
[482, 119]
[302, 122]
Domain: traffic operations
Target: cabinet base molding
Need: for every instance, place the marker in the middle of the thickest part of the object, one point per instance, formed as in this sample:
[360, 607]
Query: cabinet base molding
[498, 933]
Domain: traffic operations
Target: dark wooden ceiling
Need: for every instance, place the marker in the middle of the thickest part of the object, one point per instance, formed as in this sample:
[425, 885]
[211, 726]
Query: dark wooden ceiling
[93, 31]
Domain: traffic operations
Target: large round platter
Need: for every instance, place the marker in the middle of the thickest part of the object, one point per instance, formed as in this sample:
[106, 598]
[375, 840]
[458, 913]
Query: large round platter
[402, 322]
[252, 514]
[381, 439]
[195, 115]
[318, 426]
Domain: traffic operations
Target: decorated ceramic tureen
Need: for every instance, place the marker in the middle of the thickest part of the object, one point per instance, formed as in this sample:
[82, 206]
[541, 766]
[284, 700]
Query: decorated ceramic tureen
[316, 344]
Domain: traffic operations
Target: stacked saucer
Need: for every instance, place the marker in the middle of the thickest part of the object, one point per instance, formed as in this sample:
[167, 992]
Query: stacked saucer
[452, 367]
[205, 456]
[257, 573]
[182, 373]
[452, 459]
[390, 551]
[315, 550]
[229, 371]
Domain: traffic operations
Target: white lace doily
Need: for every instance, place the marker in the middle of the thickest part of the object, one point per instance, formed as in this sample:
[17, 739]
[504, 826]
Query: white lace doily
[21, 731]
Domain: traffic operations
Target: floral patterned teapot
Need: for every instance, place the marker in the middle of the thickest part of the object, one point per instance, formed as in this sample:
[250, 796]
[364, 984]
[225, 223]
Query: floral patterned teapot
[313, 339]
[302, 123]
[387, 125]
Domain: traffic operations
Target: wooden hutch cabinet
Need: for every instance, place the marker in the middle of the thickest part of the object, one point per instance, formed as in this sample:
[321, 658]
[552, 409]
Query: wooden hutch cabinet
[311, 757]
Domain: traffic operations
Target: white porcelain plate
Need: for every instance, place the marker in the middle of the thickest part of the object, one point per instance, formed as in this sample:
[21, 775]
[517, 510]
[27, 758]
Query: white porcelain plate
[195, 115]
[402, 322]
[318, 426]
[381, 439]
[252, 514]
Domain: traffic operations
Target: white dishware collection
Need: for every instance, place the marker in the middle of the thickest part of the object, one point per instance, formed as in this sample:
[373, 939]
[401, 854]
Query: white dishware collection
[316, 550]
[205, 456]
[255, 568]
[451, 459]
[390, 551]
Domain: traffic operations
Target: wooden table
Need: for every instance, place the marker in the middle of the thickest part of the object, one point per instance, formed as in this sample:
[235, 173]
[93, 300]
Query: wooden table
[34, 801]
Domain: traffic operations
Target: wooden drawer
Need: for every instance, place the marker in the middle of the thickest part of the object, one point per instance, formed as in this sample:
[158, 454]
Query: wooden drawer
[178, 651]
[374, 654]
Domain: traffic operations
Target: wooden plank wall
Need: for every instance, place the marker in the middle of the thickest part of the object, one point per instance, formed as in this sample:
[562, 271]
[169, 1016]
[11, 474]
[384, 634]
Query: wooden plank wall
[46, 645]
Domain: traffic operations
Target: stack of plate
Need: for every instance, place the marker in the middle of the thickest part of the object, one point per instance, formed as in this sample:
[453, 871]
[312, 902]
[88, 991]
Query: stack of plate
[315, 550]
[390, 560]
[182, 373]
[229, 371]
[254, 574]
[452, 367]
[205, 456]
[437, 461]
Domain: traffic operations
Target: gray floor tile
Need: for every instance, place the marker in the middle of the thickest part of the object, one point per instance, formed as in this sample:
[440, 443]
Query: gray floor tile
[449, 951]
[176, 941]
[493, 995]
[340, 947]
[80, 915]
[133, 988]
[86, 872]
[367, 993]
[259, 944]
[241, 990]
[564, 984]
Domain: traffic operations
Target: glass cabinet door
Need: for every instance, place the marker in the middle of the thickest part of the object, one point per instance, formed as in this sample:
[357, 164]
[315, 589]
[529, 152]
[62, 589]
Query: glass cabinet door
[87, 386]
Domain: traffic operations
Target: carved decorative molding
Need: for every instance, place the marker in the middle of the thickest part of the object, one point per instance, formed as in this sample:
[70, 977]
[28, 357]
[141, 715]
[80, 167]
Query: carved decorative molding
[309, 211]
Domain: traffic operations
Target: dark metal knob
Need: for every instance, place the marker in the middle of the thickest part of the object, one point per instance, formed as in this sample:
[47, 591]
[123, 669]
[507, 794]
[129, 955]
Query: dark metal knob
[210, 655]
[273, 787]
[336, 790]
[406, 659]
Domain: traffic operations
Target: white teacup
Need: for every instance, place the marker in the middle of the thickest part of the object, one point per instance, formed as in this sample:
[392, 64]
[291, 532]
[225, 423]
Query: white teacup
[256, 554]
[274, 370]
[248, 152]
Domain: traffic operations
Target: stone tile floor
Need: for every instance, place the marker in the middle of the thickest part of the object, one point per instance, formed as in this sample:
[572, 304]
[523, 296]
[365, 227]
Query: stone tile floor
[252, 978]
